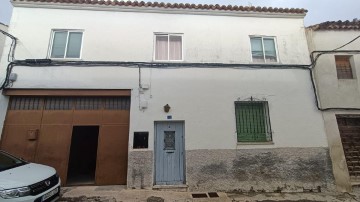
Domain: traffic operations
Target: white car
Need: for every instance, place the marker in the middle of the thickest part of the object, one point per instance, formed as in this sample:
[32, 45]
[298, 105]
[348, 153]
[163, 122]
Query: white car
[25, 182]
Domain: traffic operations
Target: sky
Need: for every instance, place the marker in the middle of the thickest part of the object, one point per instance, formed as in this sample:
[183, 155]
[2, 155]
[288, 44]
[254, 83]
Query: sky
[319, 10]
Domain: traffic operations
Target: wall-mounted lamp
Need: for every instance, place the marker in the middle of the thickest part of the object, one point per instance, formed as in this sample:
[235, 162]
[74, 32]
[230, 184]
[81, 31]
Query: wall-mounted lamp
[167, 108]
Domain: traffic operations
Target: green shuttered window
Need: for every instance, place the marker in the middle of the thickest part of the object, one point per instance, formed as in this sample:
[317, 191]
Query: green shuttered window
[252, 121]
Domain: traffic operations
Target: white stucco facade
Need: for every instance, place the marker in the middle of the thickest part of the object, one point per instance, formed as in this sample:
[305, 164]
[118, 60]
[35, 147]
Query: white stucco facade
[2, 37]
[3, 61]
[201, 97]
[336, 93]
[331, 89]
[209, 39]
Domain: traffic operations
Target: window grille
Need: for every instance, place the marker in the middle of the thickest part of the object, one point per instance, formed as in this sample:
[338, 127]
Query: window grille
[117, 103]
[169, 140]
[25, 103]
[59, 103]
[343, 67]
[252, 121]
[69, 103]
[88, 103]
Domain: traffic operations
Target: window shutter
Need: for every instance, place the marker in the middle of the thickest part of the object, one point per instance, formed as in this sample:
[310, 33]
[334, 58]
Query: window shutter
[252, 123]
[343, 67]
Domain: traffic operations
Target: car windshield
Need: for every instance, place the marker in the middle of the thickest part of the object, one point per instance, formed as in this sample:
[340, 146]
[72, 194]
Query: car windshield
[7, 161]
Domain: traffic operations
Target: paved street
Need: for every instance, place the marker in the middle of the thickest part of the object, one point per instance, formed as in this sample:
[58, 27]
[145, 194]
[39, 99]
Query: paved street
[120, 193]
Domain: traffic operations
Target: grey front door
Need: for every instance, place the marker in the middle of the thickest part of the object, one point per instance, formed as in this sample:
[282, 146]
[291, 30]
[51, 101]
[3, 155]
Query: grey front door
[169, 153]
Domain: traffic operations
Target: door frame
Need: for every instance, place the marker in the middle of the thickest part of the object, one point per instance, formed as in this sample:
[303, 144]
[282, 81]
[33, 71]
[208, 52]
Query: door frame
[154, 152]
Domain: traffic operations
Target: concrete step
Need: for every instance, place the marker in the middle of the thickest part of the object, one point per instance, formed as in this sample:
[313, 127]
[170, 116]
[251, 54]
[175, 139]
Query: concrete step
[180, 188]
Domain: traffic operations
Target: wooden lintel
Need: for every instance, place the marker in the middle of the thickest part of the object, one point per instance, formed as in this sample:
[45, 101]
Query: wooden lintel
[67, 92]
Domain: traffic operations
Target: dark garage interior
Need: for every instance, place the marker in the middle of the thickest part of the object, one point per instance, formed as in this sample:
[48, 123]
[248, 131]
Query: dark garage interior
[83, 151]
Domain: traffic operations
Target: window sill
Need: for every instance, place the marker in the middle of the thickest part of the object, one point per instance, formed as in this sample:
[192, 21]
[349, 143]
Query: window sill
[256, 143]
[169, 61]
[266, 63]
[140, 149]
[66, 59]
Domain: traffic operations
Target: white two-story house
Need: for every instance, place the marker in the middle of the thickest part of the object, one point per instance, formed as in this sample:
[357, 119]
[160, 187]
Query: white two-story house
[335, 46]
[156, 95]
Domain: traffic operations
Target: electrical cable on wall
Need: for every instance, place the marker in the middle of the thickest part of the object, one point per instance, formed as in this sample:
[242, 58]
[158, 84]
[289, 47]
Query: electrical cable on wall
[7, 76]
[11, 58]
[347, 43]
[314, 60]
[139, 65]
[11, 54]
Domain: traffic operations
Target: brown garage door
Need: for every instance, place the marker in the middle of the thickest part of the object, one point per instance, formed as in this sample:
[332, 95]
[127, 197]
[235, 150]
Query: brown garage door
[349, 128]
[39, 129]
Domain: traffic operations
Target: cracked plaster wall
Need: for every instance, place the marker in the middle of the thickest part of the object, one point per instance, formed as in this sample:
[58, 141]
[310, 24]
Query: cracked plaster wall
[283, 169]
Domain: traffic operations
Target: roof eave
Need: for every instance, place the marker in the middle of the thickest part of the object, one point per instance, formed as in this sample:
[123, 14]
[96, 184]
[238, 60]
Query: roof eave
[97, 7]
[334, 30]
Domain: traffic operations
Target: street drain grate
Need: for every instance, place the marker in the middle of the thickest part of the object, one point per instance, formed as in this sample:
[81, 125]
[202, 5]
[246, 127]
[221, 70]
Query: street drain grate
[213, 195]
[199, 195]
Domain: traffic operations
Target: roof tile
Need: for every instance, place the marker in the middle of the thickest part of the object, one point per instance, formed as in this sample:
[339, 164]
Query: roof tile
[337, 25]
[177, 5]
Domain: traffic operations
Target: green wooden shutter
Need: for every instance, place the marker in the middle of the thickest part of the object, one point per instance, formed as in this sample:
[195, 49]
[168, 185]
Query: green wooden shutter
[251, 122]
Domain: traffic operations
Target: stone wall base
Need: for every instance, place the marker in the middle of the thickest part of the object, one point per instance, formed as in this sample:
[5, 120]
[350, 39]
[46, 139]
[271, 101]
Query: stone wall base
[244, 170]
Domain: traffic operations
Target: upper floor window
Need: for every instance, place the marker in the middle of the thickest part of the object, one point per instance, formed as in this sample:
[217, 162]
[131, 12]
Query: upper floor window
[263, 49]
[343, 67]
[66, 44]
[168, 47]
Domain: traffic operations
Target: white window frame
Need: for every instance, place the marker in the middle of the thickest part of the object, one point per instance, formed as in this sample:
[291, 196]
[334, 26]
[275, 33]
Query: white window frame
[168, 34]
[67, 40]
[262, 43]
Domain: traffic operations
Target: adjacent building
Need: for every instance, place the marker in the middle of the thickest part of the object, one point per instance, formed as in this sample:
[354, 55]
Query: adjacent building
[336, 76]
[156, 95]
[2, 37]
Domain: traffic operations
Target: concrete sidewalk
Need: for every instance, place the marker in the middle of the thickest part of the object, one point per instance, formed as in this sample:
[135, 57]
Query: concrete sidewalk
[120, 193]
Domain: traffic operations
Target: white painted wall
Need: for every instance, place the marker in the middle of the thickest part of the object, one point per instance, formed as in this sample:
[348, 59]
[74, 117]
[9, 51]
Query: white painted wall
[3, 60]
[203, 98]
[128, 36]
[334, 92]
[206, 103]
[2, 37]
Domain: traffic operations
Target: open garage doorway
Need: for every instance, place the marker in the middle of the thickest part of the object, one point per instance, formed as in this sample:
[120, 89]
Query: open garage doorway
[39, 125]
[83, 152]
